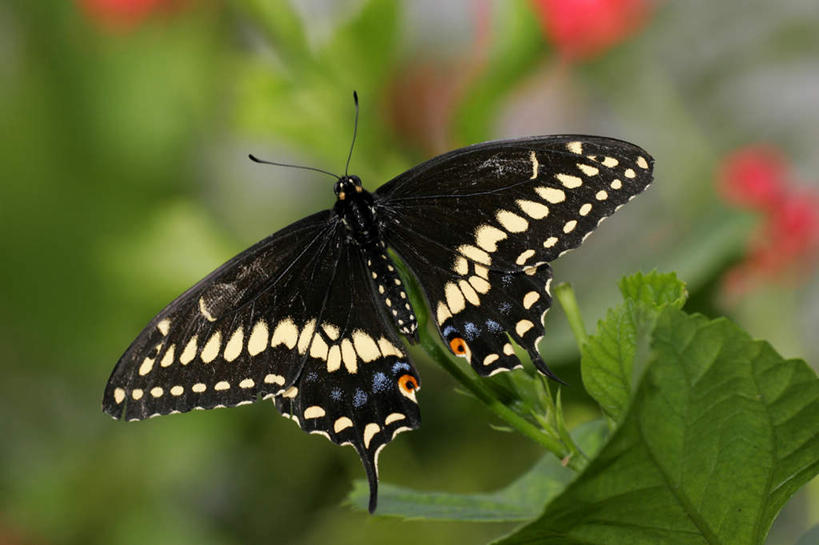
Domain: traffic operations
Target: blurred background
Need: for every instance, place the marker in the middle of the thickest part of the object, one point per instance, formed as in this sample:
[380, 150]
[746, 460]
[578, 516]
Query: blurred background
[124, 132]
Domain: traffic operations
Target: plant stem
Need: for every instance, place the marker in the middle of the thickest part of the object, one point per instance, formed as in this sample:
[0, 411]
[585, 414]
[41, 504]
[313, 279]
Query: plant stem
[480, 391]
[565, 295]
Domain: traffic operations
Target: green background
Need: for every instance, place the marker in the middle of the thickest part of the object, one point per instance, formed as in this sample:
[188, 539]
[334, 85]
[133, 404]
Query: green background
[125, 180]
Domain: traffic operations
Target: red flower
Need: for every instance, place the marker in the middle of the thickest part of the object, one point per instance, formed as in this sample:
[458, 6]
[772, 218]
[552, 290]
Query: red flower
[753, 177]
[581, 29]
[787, 242]
[124, 14]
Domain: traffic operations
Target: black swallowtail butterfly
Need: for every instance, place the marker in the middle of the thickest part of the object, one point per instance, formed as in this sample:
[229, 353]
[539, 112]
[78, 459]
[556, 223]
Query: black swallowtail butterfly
[309, 316]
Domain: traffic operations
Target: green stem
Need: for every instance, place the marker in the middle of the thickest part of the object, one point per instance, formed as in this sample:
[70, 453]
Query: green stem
[565, 295]
[484, 394]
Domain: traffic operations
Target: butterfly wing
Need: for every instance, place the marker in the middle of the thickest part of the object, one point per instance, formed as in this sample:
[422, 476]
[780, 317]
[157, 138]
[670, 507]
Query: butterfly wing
[479, 225]
[293, 318]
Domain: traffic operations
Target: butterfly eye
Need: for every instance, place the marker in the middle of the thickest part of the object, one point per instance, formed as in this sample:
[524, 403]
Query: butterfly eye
[407, 383]
[458, 346]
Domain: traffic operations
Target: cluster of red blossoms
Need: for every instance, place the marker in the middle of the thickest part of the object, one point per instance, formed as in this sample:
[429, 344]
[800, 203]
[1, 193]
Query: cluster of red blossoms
[125, 14]
[582, 29]
[786, 244]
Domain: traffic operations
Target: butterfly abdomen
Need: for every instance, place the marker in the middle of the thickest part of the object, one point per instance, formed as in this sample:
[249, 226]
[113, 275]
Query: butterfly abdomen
[391, 291]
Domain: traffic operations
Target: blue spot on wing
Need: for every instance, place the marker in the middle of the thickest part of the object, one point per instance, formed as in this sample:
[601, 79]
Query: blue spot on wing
[380, 382]
[493, 326]
[471, 331]
[360, 398]
[400, 366]
[335, 394]
[505, 307]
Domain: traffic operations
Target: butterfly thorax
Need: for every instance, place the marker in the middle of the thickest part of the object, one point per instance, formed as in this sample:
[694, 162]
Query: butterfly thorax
[356, 208]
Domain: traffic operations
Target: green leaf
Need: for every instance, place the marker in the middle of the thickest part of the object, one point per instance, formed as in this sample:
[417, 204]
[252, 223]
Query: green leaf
[721, 433]
[521, 500]
[654, 289]
[614, 359]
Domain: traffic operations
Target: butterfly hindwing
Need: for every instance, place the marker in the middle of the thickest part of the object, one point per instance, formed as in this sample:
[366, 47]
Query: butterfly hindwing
[509, 208]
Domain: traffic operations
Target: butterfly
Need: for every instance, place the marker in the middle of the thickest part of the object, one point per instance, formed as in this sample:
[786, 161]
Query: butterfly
[312, 316]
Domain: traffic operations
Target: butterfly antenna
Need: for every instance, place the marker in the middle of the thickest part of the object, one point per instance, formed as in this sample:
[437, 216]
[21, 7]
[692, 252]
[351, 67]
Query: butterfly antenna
[257, 160]
[355, 132]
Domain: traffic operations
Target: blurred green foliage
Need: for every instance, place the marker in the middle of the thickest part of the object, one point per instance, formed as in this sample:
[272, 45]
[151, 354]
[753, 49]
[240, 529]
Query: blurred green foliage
[125, 180]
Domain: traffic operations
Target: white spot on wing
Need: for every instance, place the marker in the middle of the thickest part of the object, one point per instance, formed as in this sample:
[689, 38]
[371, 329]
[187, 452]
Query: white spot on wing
[551, 194]
[630, 173]
[585, 209]
[569, 181]
[393, 417]
[274, 379]
[348, 356]
[286, 333]
[199, 387]
[490, 359]
[204, 310]
[365, 346]
[588, 170]
[533, 209]
[212, 347]
[234, 345]
[601, 195]
[164, 326]
[167, 359]
[523, 326]
[610, 162]
[454, 298]
[342, 424]
[511, 221]
[334, 358]
[221, 386]
[569, 227]
[306, 335]
[533, 158]
[575, 147]
[119, 395]
[318, 348]
[331, 331]
[189, 352]
[469, 293]
[461, 266]
[549, 242]
[475, 254]
[524, 256]
[147, 365]
[313, 411]
[369, 431]
[177, 390]
[442, 313]
[641, 162]
[480, 285]
[616, 184]
[487, 237]
[530, 299]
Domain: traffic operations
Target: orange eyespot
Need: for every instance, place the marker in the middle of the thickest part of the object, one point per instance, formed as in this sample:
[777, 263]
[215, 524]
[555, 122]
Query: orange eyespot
[408, 383]
[358, 189]
[458, 346]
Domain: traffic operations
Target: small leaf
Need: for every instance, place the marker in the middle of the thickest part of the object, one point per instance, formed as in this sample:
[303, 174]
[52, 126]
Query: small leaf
[655, 289]
[721, 433]
[614, 359]
[521, 500]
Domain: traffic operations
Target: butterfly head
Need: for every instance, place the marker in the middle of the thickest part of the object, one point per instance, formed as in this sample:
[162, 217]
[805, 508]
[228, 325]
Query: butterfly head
[347, 185]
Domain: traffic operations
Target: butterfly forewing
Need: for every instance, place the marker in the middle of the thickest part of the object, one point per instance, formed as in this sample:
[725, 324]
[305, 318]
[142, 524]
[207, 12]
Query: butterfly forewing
[479, 225]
